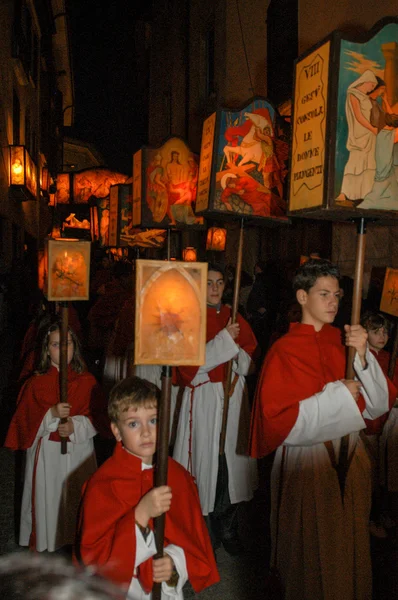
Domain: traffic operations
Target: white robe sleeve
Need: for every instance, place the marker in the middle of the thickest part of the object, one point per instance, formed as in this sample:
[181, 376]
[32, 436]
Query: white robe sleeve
[374, 386]
[242, 363]
[327, 415]
[48, 425]
[219, 350]
[178, 556]
[145, 548]
[333, 412]
[83, 430]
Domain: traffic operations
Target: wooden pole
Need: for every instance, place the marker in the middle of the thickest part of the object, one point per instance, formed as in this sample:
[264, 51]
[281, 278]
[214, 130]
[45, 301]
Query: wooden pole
[228, 377]
[394, 354]
[63, 364]
[162, 455]
[344, 460]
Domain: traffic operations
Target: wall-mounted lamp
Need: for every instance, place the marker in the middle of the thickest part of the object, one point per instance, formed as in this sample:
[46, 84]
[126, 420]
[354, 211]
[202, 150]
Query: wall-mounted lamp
[22, 176]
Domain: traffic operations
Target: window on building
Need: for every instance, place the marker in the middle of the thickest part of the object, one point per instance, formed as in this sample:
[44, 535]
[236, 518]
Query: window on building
[28, 139]
[282, 48]
[16, 119]
[210, 57]
[16, 242]
[33, 146]
[35, 58]
[26, 26]
[25, 42]
[167, 110]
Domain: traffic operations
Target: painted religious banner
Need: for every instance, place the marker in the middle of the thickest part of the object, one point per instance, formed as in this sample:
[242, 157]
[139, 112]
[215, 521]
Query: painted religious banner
[165, 181]
[120, 213]
[103, 220]
[67, 269]
[170, 324]
[243, 163]
[344, 160]
[94, 182]
[121, 232]
[78, 187]
[389, 297]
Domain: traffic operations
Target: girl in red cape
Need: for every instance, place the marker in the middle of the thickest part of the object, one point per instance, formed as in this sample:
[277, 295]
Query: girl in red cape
[52, 482]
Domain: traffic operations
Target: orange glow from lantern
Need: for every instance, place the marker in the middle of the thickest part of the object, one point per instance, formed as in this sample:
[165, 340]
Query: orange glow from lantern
[389, 297]
[171, 313]
[216, 239]
[68, 269]
[45, 179]
[23, 171]
[189, 254]
[41, 270]
[94, 226]
[17, 165]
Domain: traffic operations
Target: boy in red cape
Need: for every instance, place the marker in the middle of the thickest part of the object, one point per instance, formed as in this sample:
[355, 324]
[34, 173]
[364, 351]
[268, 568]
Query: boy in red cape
[119, 503]
[304, 405]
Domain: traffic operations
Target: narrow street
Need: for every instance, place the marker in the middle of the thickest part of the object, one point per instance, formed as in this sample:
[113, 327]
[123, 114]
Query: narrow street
[242, 577]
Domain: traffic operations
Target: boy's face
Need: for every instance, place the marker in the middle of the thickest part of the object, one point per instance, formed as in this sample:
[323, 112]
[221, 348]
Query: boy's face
[320, 304]
[215, 287]
[377, 338]
[136, 429]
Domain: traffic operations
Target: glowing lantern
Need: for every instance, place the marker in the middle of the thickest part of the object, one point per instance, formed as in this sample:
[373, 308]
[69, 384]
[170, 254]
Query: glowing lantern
[23, 179]
[216, 239]
[45, 179]
[17, 165]
[189, 254]
[67, 267]
[170, 326]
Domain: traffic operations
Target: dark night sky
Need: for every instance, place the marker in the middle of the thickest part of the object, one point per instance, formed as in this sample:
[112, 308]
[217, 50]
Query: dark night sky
[107, 113]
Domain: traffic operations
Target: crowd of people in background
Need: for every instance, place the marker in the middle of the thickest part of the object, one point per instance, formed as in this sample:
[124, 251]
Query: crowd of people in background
[287, 359]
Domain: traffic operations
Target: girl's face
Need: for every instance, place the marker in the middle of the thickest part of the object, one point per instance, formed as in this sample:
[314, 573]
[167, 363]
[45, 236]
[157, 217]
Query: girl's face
[377, 338]
[53, 347]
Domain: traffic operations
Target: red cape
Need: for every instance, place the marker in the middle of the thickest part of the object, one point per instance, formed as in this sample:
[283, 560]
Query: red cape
[297, 366]
[41, 392]
[215, 323]
[106, 532]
